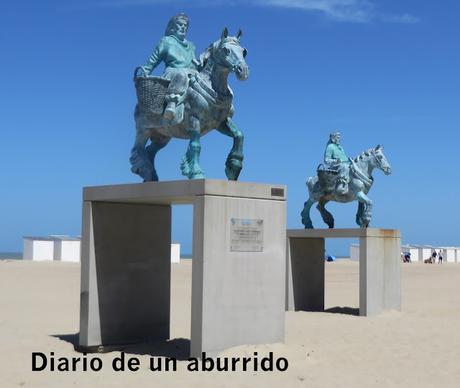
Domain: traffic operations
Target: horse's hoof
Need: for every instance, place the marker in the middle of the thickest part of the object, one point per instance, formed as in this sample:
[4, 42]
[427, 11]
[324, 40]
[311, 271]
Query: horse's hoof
[197, 176]
[307, 223]
[232, 175]
[147, 176]
[365, 223]
[196, 173]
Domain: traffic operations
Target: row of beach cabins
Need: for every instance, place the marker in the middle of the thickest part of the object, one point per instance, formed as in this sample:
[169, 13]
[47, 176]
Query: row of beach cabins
[419, 253]
[65, 248]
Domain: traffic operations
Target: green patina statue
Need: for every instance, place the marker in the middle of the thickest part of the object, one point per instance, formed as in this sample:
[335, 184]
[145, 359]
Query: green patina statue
[342, 179]
[190, 99]
[178, 55]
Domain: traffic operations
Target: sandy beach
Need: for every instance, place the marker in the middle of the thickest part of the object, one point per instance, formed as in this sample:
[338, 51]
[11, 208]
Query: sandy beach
[418, 347]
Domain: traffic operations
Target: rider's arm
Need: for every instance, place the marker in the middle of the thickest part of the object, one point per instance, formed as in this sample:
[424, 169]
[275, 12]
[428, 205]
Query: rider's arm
[156, 57]
[196, 63]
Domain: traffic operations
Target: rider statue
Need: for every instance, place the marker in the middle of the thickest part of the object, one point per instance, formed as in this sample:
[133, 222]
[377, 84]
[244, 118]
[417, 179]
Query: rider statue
[178, 54]
[336, 159]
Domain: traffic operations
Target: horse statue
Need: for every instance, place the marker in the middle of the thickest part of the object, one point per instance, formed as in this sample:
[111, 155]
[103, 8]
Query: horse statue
[207, 104]
[321, 188]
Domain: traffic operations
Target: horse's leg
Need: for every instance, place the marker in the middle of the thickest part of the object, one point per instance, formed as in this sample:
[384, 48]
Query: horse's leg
[305, 213]
[140, 161]
[234, 162]
[359, 213]
[327, 217]
[156, 145]
[190, 165]
[367, 213]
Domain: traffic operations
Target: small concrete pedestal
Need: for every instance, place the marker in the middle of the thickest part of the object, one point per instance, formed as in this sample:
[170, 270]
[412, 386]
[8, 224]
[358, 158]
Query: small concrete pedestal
[379, 268]
[238, 271]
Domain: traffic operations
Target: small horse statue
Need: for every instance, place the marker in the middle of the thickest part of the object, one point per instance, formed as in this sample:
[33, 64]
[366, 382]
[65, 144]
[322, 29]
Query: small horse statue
[207, 105]
[359, 184]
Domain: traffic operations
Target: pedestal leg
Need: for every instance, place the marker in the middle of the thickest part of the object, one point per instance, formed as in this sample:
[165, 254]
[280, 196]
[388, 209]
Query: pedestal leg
[125, 275]
[371, 259]
[392, 274]
[237, 286]
[379, 275]
[305, 277]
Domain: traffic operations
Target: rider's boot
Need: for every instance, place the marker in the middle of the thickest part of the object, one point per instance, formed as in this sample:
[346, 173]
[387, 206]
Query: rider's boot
[170, 111]
[342, 187]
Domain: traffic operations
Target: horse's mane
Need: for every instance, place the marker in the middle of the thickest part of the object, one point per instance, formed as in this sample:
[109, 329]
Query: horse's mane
[205, 58]
[364, 154]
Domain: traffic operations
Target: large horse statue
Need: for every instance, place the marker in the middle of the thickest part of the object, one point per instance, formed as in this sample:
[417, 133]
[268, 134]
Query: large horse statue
[321, 188]
[206, 105]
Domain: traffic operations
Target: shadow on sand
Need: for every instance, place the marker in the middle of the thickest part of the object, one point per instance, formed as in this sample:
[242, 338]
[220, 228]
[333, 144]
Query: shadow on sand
[178, 348]
[343, 310]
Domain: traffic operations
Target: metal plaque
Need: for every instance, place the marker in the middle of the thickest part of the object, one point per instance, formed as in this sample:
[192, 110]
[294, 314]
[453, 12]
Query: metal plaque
[246, 235]
[277, 192]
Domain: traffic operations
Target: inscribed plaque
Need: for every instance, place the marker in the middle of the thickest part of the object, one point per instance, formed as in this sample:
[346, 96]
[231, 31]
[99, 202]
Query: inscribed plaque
[246, 235]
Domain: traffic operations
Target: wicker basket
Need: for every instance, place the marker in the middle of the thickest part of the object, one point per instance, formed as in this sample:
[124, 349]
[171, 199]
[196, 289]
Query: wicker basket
[151, 93]
[327, 178]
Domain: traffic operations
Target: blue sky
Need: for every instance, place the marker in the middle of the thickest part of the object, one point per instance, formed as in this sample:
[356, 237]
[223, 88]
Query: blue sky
[379, 71]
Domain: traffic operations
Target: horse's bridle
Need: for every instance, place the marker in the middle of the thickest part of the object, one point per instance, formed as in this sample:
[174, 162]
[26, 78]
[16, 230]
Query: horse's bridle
[228, 64]
[379, 162]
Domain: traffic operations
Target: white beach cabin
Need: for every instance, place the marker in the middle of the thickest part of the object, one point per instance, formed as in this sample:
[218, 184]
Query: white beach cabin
[66, 248]
[449, 254]
[175, 252]
[38, 248]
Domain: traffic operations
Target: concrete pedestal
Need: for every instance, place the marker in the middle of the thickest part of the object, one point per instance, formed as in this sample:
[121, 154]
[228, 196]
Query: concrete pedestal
[238, 271]
[379, 268]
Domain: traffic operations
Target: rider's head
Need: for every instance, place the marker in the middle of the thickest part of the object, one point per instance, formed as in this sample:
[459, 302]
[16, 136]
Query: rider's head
[334, 137]
[178, 26]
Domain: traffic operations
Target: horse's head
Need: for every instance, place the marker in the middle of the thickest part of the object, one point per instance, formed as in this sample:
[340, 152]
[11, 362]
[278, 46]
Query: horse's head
[228, 53]
[380, 160]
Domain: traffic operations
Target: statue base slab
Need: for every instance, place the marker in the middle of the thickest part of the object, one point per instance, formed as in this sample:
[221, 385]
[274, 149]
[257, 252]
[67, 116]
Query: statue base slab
[379, 268]
[238, 267]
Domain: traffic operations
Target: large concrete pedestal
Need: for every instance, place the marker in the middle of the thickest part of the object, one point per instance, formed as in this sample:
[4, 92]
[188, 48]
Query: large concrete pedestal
[238, 271]
[379, 268]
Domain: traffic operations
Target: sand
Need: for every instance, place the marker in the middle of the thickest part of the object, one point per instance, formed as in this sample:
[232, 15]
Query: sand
[418, 347]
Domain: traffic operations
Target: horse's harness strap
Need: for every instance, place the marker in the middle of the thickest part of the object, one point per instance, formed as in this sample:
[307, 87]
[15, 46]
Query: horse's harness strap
[359, 174]
[209, 91]
[208, 94]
